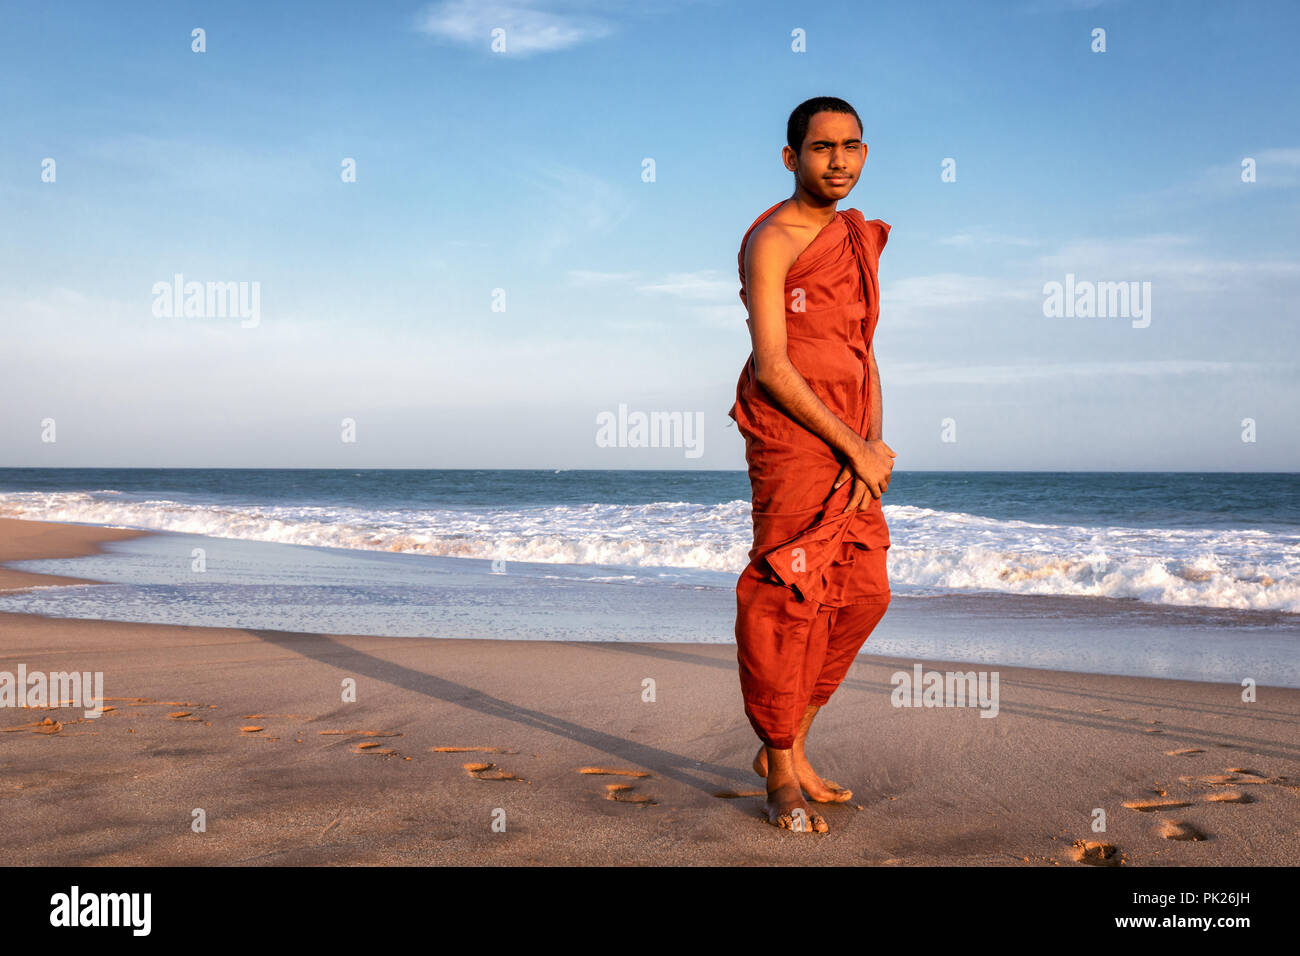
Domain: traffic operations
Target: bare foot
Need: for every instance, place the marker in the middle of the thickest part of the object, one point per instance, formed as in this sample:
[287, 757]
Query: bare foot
[818, 790]
[785, 804]
[786, 809]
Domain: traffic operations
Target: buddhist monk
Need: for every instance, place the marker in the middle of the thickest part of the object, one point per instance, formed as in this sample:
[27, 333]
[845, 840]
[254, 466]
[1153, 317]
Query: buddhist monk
[809, 406]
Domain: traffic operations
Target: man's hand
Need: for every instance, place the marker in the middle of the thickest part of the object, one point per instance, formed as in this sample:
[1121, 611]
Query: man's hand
[871, 464]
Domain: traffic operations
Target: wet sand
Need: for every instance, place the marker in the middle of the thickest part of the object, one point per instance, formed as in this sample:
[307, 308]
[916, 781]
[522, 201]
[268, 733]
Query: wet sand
[473, 752]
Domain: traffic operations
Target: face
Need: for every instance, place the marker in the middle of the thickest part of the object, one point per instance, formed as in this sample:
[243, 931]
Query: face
[831, 159]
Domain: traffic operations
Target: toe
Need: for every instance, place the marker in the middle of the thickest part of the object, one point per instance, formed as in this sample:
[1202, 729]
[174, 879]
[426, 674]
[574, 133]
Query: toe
[838, 794]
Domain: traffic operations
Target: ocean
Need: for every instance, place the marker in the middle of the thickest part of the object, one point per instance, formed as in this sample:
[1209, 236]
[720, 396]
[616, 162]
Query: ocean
[1017, 567]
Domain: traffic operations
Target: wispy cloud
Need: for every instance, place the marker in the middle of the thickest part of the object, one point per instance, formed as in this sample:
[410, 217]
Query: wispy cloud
[702, 285]
[1167, 257]
[568, 205]
[731, 317]
[936, 300]
[528, 29]
[917, 295]
[926, 373]
[208, 164]
[707, 296]
[1275, 168]
[986, 239]
[591, 277]
[1188, 280]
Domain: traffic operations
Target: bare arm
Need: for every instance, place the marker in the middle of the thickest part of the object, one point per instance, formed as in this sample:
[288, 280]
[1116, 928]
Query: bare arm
[876, 424]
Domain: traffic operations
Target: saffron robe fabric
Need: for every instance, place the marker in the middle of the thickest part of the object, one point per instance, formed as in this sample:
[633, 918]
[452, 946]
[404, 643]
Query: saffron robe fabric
[816, 583]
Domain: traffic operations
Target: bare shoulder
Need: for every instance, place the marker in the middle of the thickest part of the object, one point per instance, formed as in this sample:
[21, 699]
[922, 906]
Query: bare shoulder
[774, 245]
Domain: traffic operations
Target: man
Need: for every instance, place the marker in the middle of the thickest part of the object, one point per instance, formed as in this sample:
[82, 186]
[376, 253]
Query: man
[808, 403]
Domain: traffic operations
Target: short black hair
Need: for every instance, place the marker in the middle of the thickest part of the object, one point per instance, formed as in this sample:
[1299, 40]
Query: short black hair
[796, 128]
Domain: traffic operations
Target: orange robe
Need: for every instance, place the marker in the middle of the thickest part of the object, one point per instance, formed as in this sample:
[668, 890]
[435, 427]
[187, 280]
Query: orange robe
[816, 584]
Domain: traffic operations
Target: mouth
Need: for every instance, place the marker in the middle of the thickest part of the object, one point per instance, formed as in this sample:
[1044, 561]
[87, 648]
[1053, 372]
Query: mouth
[837, 180]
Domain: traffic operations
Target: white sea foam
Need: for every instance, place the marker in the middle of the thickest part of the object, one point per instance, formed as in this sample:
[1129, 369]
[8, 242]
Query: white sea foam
[933, 551]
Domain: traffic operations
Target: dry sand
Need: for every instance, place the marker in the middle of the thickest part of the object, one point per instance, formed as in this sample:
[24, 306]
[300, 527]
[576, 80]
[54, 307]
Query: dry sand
[327, 782]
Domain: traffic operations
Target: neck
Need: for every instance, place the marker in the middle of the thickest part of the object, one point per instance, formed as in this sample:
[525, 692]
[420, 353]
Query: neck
[810, 208]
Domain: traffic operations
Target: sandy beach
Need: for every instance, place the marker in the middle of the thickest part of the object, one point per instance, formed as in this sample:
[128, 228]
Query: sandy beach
[251, 727]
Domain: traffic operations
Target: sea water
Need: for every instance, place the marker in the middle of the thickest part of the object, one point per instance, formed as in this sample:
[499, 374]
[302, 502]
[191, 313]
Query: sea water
[1165, 574]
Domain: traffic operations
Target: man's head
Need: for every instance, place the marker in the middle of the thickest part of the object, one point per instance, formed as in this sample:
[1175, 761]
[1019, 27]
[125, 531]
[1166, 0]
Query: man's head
[824, 147]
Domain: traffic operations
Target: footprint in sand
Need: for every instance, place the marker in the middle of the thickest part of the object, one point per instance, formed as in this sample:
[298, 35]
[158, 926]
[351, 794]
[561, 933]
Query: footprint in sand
[149, 701]
[1226, 792]
[1097, 854]
[616, 773]
[46, 726]
[1176, 830]
[1233, 778]
[61, 705]
[1229, 796]
[490, 771]
[482, 770]
[622, 792]
[373, 747]
[182, 715]
[362, 746]
[1250, 776]
[625, 793]
[254, 732]
[1208, 779]
[1149, 806]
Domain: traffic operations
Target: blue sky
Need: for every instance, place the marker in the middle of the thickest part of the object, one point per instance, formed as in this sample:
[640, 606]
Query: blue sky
[522, 171]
